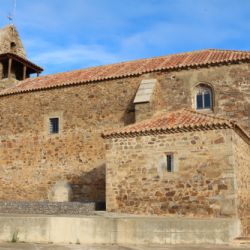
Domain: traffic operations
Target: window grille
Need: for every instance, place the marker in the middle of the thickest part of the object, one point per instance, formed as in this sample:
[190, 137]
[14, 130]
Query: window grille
[170, 162]
[54, 125]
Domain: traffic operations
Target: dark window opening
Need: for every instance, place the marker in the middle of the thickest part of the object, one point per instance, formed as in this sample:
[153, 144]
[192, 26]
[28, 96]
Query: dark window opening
[199, 101]
[203, 98]
[12, 45]
[54, 125]
[170, 165]
[207, 100]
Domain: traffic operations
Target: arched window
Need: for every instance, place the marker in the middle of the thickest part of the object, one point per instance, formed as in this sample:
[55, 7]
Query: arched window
[12, 45]
[203, 97]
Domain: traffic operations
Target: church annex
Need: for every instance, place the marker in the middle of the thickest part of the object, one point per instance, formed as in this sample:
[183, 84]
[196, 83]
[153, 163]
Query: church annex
[165, 135]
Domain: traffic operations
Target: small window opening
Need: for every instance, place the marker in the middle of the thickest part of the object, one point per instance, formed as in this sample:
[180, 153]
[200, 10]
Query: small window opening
[203, 98]
[54, 125]
[12, 45]
[170, 162]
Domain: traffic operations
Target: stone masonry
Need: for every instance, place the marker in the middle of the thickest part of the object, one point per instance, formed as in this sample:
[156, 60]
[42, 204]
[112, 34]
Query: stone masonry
[201, 184]
[77, 153]
[90, 101]
[10, 41]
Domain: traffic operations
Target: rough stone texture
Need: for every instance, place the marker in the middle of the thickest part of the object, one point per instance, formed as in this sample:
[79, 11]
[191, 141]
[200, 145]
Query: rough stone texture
[202, 183]
[31, 160]
[11, 42]
[242, 171]
[145, 110]
[230, 84]
[61, 192]
[49, 208]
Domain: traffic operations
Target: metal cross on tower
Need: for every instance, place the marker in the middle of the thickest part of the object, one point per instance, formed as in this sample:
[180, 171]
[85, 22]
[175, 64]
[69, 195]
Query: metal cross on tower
[11, 15]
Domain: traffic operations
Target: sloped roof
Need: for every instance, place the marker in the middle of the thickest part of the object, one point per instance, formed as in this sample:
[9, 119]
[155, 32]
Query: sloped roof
[22, 60]
[9, 34]
[130, 68]
[172, 122]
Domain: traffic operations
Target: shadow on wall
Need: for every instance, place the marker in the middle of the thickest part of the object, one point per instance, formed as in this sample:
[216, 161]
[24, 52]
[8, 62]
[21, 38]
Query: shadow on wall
[89, 186]
[129, 114]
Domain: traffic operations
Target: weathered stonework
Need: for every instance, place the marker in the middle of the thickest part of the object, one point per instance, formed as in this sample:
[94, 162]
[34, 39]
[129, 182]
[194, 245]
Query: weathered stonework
[202, 183]
[32, 160]
[10, 41]
[60, 192]
[211, 167]
[242, 173]
[77, 153]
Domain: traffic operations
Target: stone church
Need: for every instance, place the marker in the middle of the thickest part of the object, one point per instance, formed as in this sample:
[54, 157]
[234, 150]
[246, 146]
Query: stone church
[165, 136]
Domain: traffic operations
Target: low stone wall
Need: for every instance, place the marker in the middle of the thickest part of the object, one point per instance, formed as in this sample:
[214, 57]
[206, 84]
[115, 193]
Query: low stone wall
[117, 230]
[49, 208]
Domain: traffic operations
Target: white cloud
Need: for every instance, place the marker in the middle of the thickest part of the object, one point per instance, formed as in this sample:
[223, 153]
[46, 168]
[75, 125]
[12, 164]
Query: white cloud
[76, 54]
[79, 33]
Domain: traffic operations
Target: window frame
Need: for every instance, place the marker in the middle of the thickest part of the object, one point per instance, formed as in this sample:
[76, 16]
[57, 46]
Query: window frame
[202, 90]
[54, 128]
[46, 117]
[170, 169]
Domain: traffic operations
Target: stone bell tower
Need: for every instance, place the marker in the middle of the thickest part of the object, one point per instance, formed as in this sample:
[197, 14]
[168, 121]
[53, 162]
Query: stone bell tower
[14, 66]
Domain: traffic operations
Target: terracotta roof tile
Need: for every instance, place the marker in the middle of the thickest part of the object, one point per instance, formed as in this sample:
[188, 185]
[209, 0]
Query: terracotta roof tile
[176, 121]
[137, 67]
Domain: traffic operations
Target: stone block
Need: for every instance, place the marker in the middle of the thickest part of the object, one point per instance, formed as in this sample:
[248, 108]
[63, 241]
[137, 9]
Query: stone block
[60, 192]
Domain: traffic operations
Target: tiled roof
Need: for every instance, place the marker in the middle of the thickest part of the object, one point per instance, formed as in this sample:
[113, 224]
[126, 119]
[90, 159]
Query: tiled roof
[131, 68]
[22, 60]
[172, 122]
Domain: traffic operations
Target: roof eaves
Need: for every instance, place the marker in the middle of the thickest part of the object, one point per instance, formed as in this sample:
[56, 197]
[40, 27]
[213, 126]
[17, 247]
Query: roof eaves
[170, 68]
[168, 130]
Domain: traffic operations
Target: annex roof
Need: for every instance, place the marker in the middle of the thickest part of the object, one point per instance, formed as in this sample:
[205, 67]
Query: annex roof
[130, 68]
[173, 122]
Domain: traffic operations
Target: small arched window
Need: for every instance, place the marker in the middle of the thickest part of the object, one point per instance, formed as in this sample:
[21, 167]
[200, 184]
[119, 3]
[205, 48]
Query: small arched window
[203, 97]
[12, 45]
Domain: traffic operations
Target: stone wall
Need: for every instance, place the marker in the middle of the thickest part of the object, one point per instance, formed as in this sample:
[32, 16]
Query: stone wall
[32, 160]
[146, 110]
[230, 84]
[202, 183]
[242, 169]
[49, 208]
[10, 35]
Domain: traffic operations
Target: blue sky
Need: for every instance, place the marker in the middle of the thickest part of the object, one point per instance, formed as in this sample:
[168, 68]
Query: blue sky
[61, 35]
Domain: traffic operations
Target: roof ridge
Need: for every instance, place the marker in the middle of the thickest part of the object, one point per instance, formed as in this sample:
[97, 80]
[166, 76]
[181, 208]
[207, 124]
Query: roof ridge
[178, 61]
[179, 121]
[136, 60]
[229, 50]
[213, 116]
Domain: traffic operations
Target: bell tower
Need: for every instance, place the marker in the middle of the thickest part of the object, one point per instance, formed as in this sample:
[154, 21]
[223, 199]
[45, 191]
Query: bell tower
[14, 66]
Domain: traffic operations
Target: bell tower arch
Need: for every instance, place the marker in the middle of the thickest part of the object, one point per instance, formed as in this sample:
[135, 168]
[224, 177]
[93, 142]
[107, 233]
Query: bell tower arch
[14, 66]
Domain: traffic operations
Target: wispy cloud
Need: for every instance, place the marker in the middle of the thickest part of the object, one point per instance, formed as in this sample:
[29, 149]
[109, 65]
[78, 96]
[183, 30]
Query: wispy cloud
[73, 34]
[76, 54]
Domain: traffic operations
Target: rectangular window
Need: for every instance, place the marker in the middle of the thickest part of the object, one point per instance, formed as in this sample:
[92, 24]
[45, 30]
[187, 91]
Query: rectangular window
[54, 125]
[199, 101]
[207, 100]
[170, 163]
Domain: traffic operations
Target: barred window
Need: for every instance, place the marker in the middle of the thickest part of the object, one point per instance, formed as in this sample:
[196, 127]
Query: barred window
[54, 125]
[170, 162]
